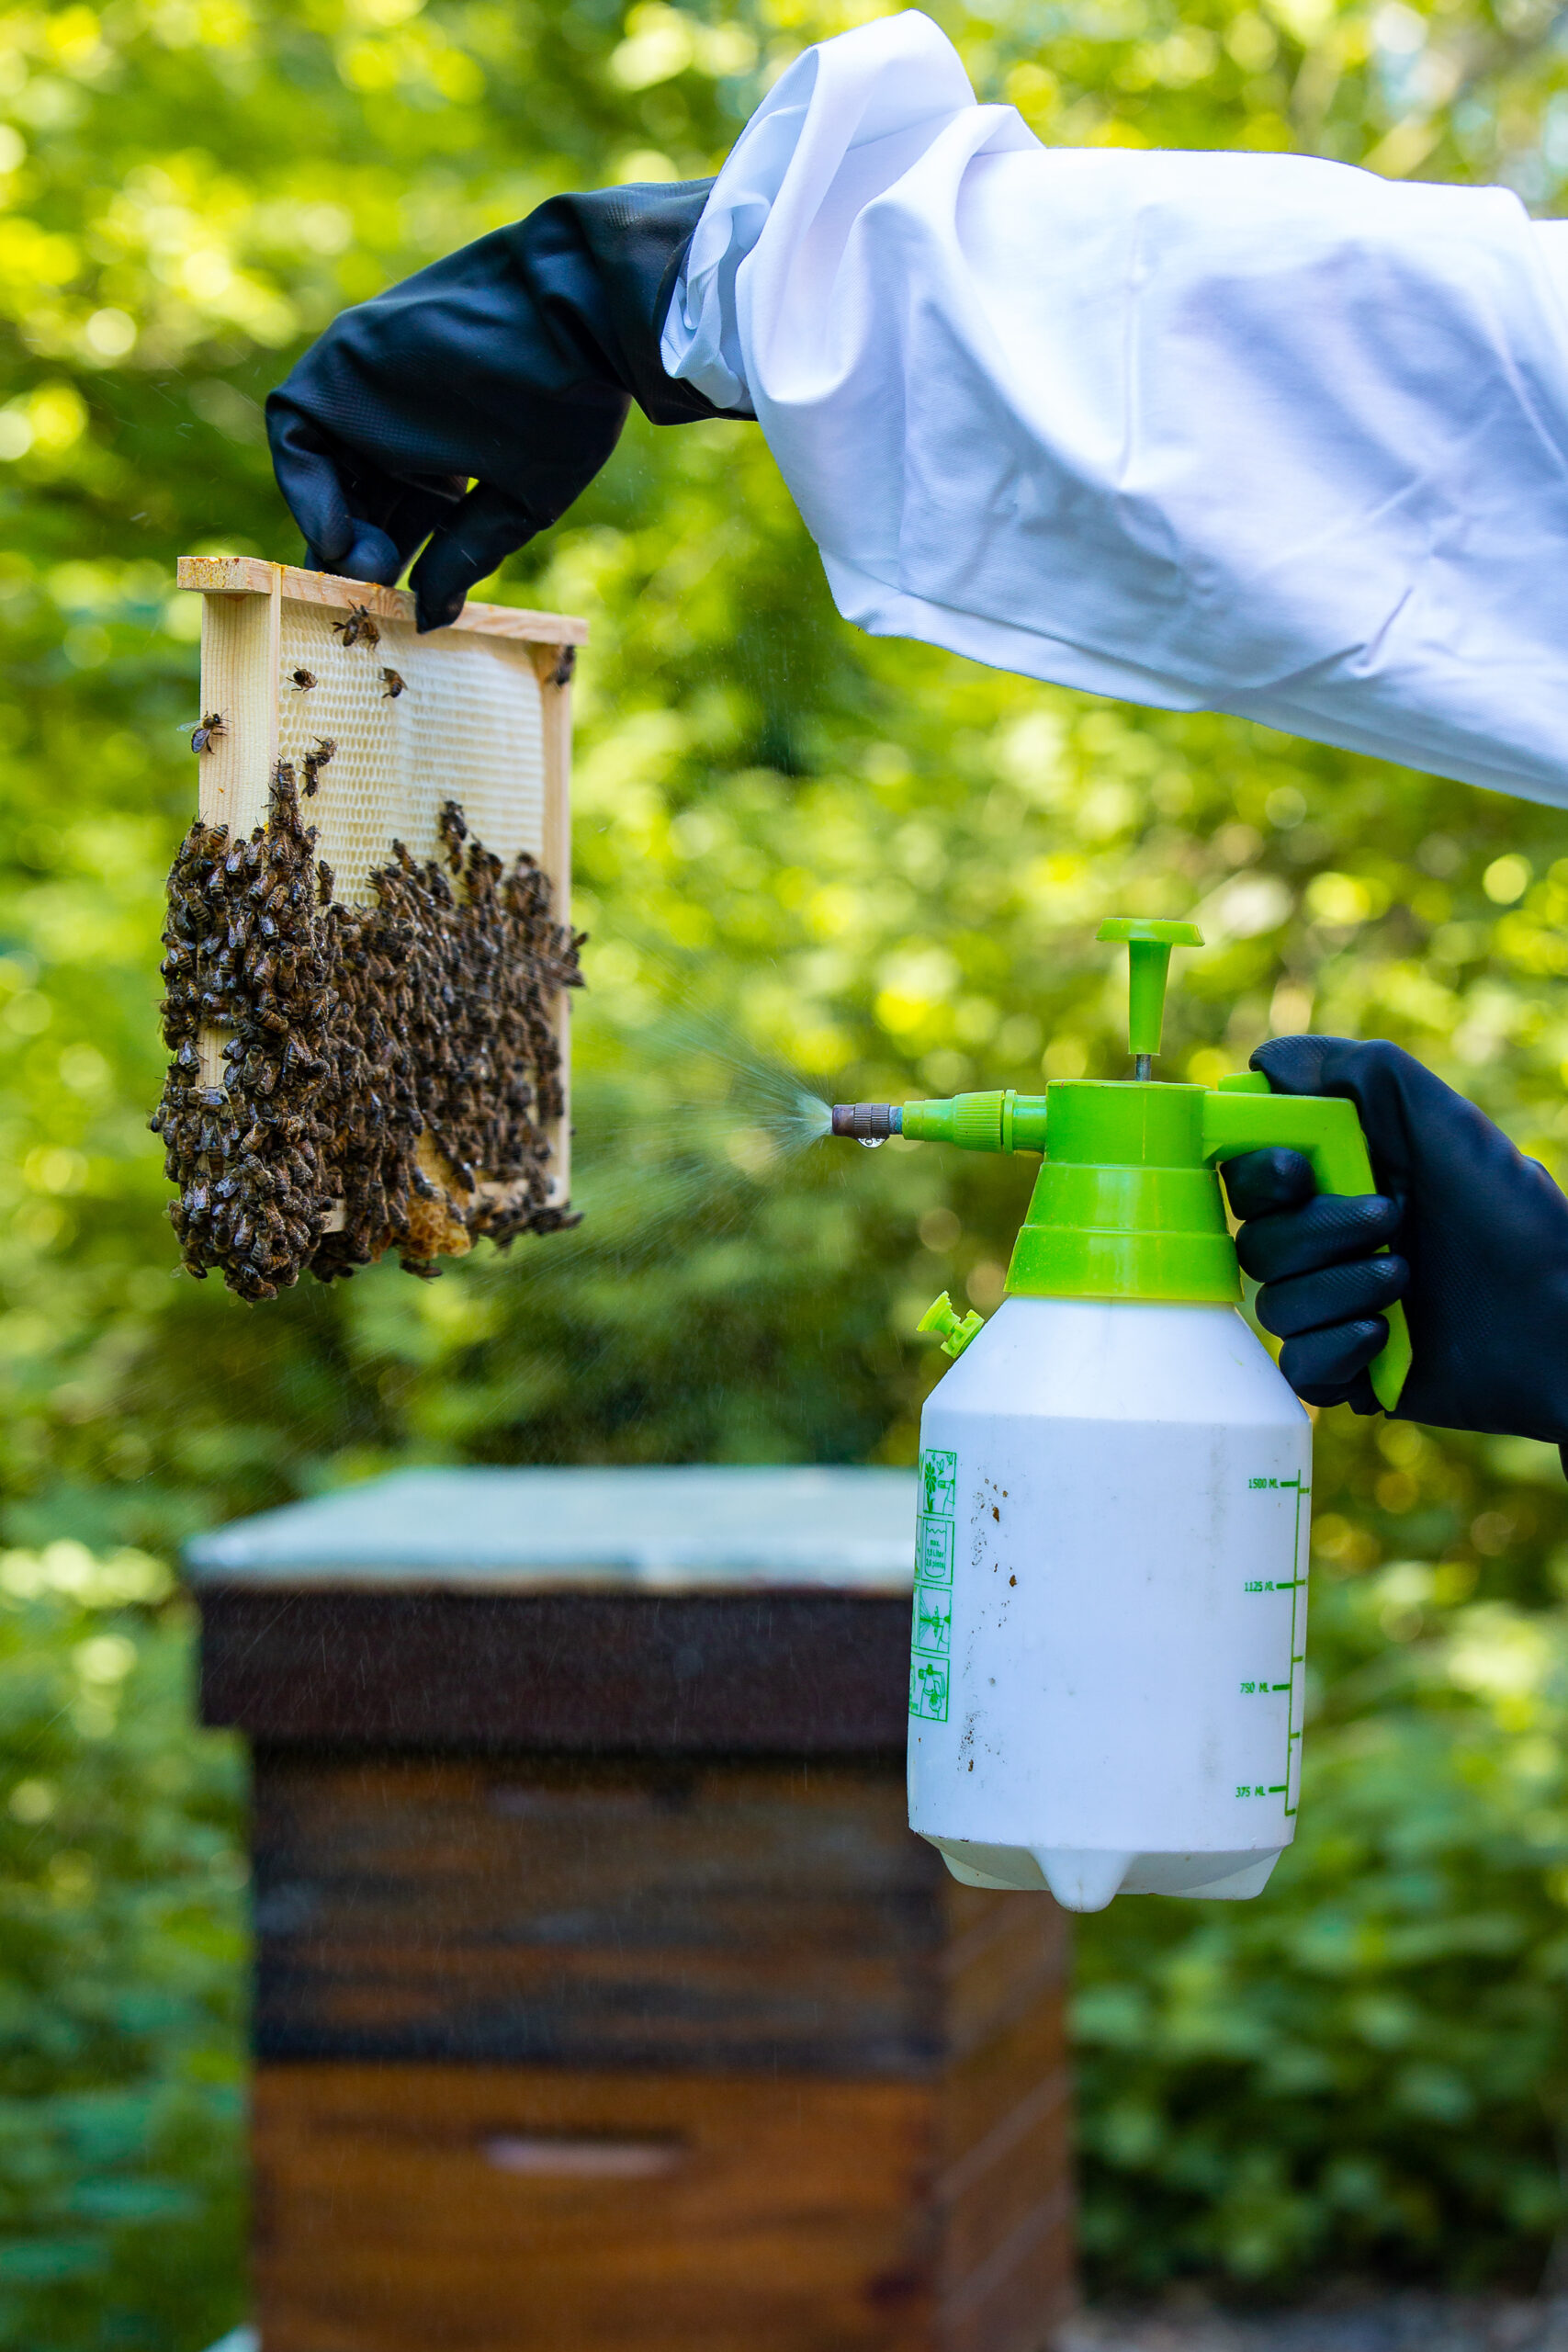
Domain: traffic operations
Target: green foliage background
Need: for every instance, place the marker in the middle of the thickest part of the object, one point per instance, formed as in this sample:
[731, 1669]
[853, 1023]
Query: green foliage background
[798, 852]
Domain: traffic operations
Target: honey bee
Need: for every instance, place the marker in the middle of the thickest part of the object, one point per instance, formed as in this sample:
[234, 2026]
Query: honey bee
[301, 680]
[359, 628]
[395, 685]
[207, 734]
[316, 760]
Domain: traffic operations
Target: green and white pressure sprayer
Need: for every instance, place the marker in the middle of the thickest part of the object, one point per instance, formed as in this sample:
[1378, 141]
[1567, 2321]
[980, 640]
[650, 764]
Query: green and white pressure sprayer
[1110, 1625]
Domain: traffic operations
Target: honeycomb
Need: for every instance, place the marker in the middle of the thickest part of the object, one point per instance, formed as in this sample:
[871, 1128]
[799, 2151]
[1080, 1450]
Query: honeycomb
[468, 726]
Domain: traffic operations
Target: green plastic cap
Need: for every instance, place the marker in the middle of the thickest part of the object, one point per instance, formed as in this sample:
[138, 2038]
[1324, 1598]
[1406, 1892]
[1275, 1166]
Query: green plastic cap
[953, 1329]
[1149, 953]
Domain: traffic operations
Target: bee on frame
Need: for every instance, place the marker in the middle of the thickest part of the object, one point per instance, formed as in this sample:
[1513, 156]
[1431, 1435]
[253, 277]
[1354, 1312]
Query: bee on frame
[359, 628]
[315, 761]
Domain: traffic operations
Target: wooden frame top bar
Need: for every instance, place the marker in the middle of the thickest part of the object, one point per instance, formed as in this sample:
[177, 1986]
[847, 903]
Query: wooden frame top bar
[250, 575]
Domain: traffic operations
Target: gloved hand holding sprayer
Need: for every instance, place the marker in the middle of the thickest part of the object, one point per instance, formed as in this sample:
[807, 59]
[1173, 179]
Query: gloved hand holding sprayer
[1107, 1672]
[1251, 432]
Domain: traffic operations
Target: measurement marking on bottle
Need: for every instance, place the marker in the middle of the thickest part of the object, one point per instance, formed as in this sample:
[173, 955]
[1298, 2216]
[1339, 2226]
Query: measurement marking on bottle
[1297, 1691]
[1295, 1688]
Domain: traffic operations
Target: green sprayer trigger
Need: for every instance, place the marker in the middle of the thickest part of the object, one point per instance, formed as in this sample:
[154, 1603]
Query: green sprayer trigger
[1241, 1116]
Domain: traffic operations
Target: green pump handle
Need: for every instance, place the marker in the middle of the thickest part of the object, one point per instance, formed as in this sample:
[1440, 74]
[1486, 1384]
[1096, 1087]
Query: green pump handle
[1148, 943]
[1243, 1113]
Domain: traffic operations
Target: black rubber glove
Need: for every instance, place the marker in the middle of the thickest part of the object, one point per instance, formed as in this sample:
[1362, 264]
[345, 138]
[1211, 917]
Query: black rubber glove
[1479, 1253]
[511, 364]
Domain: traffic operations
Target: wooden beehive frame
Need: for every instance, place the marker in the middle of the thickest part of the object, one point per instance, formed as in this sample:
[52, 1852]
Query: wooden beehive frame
[252, 612]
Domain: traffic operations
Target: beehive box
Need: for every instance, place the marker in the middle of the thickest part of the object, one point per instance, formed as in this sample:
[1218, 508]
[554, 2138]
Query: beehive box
[385, 788]
[603, 2000]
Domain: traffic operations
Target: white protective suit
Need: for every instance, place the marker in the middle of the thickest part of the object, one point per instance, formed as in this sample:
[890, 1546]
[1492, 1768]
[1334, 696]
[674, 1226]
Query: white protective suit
[1235, 432]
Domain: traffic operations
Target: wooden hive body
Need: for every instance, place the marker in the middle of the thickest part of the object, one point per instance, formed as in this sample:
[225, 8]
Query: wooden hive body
[604, 2001]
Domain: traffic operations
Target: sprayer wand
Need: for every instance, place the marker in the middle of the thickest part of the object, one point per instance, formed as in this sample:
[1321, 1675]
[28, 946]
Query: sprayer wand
[1002, 1120]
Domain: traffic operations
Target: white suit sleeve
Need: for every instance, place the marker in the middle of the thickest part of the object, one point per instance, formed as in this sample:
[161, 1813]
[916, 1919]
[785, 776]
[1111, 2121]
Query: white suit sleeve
[1245, 433]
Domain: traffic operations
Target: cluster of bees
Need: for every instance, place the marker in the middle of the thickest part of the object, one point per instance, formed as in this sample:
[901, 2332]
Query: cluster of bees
[388, 1071]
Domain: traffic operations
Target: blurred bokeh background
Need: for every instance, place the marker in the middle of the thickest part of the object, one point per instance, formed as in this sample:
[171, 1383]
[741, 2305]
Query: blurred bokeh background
[806, 859]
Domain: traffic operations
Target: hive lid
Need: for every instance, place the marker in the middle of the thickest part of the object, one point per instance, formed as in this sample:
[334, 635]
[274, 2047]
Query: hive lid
[688, 1529]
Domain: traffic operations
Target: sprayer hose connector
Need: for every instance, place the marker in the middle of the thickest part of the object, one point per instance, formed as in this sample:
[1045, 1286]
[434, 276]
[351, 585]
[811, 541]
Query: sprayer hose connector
[867, 1122]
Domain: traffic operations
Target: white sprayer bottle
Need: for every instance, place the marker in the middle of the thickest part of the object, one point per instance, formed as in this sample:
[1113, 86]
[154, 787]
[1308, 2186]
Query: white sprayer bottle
[1110, 1617]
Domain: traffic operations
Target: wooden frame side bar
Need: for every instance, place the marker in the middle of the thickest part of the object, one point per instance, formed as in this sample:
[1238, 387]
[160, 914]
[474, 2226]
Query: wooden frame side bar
[554, 666]
[239, 643]
[240, 640]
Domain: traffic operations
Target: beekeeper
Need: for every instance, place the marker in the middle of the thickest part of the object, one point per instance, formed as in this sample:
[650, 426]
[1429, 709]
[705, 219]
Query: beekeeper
[1248, 433]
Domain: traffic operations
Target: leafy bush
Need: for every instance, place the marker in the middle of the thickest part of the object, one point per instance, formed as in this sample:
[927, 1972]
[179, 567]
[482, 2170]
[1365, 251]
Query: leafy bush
[121, 1967]
[803, 857]
[1367, 2068]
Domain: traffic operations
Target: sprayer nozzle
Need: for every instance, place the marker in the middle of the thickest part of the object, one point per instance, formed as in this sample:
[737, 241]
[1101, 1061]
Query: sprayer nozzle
[867, 1122]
